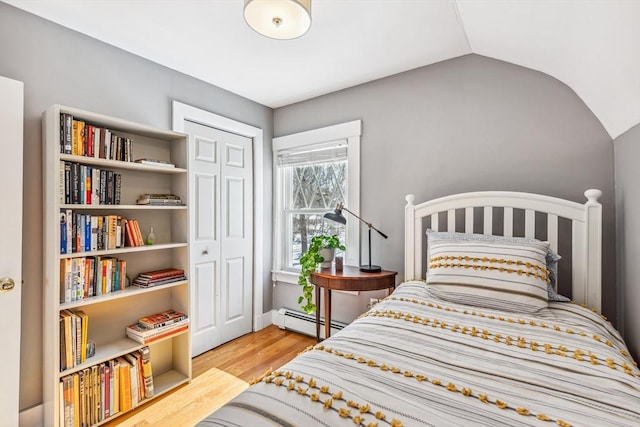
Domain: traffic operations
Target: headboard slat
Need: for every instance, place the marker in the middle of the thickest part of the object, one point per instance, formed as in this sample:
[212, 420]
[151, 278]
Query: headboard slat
[552, 231]
[451, 220]
[468, 220]
[488, 220]
[529, 223]
[579, 289]
[508, 222]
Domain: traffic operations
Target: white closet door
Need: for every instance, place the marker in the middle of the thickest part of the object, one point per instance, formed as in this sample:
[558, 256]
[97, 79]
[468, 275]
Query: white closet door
[11, 123]
[221, 186]
[237, 235]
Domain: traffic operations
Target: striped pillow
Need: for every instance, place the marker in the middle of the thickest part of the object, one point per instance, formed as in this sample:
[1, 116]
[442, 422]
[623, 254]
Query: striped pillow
[552, 258]
[505, 276]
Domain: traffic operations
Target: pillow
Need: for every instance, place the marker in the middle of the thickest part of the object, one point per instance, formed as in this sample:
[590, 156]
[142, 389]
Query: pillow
[508, 276]
[551, 257]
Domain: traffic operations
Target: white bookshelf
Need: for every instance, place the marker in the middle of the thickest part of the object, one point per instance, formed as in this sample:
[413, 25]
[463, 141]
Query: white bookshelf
[110, 313]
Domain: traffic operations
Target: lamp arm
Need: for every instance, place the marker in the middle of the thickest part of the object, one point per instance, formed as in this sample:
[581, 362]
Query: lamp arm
[366, 222]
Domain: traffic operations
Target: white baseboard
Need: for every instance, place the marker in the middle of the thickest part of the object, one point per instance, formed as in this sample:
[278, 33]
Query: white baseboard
[32, 417]
[304, 324]
[263, 320]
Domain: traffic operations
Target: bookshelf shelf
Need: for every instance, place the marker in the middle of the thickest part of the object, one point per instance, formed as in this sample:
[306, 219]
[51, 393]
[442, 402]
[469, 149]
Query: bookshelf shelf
[119, 164]
[125, 250]
[125, 293]
[112, 305]
[167, 381]
[123, 207]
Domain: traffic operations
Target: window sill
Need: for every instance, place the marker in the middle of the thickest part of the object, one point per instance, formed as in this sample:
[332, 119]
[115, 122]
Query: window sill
[284, 276]
[291, 277]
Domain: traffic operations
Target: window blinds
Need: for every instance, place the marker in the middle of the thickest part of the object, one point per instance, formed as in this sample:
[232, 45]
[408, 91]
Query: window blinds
[309, 154]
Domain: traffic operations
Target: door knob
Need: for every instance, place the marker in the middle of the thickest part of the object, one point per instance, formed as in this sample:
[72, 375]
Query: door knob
[6, 284]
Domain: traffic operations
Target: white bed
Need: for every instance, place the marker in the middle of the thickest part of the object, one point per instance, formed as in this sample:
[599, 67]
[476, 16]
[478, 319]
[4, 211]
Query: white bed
[416, 359]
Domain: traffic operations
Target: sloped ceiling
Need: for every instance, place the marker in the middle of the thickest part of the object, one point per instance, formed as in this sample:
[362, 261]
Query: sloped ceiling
[593, 46]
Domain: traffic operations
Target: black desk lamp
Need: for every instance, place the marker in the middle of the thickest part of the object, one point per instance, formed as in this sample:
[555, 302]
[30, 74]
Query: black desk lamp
[337, 216]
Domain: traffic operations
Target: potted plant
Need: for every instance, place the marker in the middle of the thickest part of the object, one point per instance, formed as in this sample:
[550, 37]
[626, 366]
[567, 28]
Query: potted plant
[309, 262]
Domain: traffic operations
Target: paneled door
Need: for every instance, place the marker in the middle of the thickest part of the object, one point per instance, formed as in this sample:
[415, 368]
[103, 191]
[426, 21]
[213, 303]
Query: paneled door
[221, 224]
[11, 123]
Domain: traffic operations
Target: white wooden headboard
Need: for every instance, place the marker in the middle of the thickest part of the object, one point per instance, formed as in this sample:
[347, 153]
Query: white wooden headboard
[586, 230]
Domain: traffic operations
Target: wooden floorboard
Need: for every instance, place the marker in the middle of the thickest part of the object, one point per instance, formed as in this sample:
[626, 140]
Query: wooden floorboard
[247, 357]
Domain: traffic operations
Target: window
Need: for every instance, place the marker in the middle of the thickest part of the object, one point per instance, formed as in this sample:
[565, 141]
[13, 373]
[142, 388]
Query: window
[314, 170]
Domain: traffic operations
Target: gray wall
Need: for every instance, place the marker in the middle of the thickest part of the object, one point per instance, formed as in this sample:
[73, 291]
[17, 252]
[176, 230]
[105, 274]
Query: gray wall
[627, 161]
[466, 124]
[60, 66]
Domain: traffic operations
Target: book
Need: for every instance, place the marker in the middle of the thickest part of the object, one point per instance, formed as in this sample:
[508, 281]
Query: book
[66, 416]
[112, 228]
[124, 384]
[138, 233]
[115, 395]
[163, 273]
[142, 283]
[76, 398]
[159, 199]
[104, 392]
[66, 122]
[154, 338]
[158, 196]
[67, 182]
[130, 239]
[159, 202]
[117, 182]
[61, 182]
[147, 375]
[84, 322]
[161, 319]
[68, 341]
[82, 398]
[141, 331]
[155, 162]
[133, 378]
[96, 141]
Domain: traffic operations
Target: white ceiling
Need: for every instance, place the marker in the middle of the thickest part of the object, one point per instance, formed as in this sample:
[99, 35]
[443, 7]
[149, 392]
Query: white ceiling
[593, 46]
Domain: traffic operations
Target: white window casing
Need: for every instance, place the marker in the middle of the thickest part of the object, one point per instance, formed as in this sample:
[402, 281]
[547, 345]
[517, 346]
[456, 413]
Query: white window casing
[314, 146]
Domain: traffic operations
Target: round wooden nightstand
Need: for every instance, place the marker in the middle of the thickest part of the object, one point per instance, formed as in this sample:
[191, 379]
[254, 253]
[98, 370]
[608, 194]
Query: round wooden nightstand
[349, 279]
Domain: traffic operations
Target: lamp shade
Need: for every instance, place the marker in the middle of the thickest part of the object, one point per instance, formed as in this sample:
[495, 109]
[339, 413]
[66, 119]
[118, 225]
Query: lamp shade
[336, 216]
[278, 19]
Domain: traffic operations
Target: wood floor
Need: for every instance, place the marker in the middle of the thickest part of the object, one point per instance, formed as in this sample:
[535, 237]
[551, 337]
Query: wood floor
[251, 355]
[246, 357]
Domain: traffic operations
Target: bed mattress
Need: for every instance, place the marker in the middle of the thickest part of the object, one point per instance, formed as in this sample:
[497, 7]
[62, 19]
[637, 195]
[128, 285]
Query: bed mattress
[414, 360]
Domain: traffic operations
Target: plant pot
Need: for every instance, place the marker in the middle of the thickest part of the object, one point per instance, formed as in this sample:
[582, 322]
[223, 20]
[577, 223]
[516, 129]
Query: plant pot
[327, 254]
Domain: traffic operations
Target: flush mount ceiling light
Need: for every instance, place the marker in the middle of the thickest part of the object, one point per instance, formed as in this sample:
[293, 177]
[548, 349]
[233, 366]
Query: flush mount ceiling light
[278, 19]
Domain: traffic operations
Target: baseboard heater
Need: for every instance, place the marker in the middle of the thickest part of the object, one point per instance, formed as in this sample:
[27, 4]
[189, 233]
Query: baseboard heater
[304, 323]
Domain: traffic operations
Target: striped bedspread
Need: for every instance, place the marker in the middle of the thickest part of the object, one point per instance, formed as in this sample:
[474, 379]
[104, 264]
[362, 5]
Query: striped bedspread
[414, 360]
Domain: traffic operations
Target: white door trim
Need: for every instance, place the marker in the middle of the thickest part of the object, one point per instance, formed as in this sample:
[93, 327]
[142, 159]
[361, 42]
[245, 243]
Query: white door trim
[11, 172]
[182, 112]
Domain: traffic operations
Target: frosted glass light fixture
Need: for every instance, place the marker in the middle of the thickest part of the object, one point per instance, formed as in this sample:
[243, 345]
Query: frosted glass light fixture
[278, 19]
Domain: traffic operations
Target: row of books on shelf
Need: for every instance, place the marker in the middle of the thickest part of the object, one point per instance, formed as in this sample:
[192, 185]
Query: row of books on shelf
[158, 326]
[81, 232]
[88, 185]
[86, 277]
[159, 277]
[81, 138]
[96, 393]
[74, 328]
